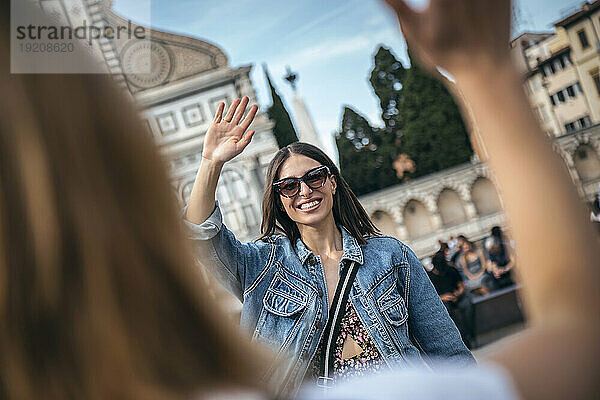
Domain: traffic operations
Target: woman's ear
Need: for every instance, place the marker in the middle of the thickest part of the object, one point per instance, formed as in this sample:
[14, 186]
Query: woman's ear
[333, 184]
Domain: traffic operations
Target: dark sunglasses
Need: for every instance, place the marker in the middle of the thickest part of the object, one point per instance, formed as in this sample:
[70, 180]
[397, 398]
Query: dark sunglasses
[314, 179]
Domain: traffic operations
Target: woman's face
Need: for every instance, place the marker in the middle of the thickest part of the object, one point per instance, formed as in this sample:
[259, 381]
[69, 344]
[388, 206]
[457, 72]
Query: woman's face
[466, 247]
[309, 206]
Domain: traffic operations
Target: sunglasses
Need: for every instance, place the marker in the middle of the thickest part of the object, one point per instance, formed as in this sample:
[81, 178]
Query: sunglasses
[314, 179]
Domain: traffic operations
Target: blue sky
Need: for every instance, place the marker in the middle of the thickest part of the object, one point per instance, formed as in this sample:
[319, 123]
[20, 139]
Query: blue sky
[329, 43]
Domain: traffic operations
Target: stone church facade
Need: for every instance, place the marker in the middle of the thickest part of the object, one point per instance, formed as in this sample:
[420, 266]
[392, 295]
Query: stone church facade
[177, 102]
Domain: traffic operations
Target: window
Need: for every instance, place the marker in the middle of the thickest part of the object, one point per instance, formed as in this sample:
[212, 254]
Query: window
[578, 87]
[571, 92]
[580, 123]
[585, 121]
[553, 100]
[223, 195]
[543, 113]
[596, 78]
[539, 113]
[558, 65]
[561, 96]
[583, 39]
[567, 60]
[570, 127]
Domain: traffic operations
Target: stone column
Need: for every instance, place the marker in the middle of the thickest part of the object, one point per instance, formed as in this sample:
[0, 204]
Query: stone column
[465, 195]
[432, 207]
[401, 231]
[568, 157]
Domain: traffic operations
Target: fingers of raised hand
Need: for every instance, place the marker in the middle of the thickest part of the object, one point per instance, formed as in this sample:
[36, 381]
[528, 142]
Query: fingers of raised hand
[249, 118]
[231, 111]
[240, 111]
[219, 113]
[245, 140]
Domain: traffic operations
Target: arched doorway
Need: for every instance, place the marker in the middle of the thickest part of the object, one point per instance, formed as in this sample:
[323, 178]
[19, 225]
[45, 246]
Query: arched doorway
[485, 197]
[586, 162]
[451, 208]
[384, 222]
[417, 219]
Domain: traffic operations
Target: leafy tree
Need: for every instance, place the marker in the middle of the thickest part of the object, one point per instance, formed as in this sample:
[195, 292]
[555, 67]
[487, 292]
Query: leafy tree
[365, 164]
[422, 125]
[433, 131]
[284, 129]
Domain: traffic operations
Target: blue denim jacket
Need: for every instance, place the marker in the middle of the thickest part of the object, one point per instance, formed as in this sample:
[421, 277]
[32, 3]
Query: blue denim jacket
[284, 295]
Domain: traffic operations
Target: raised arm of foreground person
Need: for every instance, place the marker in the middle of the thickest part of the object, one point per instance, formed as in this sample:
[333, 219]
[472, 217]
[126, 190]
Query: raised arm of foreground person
[558, 357]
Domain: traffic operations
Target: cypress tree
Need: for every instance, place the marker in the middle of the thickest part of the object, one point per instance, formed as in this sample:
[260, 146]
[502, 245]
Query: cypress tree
[284, 129]
[386, 80]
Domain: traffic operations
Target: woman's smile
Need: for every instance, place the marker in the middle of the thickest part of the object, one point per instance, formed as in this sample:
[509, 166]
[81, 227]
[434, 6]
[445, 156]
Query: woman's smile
[309, 205]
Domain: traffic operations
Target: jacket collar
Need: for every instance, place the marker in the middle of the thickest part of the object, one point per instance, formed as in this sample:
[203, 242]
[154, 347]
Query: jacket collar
[351, 248]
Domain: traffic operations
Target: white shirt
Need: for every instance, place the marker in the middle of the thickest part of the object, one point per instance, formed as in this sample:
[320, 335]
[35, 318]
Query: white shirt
[477, 383]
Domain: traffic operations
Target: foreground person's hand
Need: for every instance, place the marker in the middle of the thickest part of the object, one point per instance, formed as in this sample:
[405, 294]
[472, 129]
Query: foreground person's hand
[455, 34]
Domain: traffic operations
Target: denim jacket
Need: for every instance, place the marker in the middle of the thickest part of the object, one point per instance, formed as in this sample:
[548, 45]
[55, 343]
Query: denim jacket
[284, 298]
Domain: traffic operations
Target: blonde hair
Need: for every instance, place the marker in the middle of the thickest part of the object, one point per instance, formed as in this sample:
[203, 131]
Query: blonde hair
[99, 294]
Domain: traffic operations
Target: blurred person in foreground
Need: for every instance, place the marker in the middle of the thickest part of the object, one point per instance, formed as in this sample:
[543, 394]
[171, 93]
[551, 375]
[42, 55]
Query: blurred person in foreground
[99, 295]
[450, 287]
[99, 298]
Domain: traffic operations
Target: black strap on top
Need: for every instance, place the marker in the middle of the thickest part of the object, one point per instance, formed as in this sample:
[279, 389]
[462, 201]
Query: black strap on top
[333, 326]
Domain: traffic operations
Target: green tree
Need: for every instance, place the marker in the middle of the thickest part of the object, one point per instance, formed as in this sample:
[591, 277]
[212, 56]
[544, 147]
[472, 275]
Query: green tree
[433, 132]
[421, 121]
[364, 163]
[284, 129]
[386, 80]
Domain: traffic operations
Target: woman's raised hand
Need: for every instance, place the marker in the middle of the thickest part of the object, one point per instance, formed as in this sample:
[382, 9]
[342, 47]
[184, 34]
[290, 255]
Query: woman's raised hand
[456, 34]
[227, 137]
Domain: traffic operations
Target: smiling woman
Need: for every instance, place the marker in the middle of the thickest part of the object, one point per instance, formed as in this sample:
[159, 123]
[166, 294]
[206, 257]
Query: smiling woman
[331, 296]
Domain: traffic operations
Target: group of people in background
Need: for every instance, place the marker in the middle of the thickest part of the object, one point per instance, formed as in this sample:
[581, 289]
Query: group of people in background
[462, 269]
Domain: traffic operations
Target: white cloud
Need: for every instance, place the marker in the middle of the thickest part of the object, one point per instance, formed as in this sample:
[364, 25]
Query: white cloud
[335, 47]
[324, 51]
[375, 20]
[322, 19]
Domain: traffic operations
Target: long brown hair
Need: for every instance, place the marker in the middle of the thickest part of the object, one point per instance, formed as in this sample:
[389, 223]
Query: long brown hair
[347, 210]
[99, 295]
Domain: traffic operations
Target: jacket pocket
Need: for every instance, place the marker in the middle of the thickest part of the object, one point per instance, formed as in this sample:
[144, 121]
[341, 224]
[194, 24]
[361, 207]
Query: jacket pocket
[392, 307]
[284, 297]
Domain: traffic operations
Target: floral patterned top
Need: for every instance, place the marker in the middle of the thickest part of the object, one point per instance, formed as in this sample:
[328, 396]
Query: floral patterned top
[369, 360]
